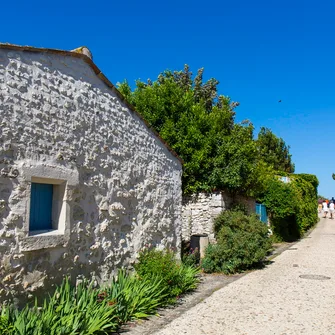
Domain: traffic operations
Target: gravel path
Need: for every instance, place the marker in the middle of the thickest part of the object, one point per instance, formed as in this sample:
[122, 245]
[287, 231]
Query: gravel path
[275, 300]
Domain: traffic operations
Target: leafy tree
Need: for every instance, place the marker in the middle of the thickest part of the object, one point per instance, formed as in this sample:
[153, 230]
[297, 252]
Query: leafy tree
[235, 160]
[198, 124]
[274, 151]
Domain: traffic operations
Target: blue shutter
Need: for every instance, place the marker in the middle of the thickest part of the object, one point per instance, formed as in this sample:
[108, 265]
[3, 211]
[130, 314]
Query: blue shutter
[41, 207]
[261, 211]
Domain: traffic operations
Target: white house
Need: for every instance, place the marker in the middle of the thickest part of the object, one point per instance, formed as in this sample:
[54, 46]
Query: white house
[84, 182]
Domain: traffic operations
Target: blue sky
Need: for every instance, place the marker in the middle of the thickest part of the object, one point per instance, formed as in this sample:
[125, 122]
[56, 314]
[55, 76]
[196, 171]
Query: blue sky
[261, 51]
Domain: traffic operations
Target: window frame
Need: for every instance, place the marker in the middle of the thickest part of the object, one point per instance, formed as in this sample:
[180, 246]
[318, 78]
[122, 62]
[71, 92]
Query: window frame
[58, 207]
[64, 181]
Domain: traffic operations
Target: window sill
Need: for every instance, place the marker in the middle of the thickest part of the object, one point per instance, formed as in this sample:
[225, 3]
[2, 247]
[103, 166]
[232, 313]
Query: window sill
[47, 232]
[43, 239]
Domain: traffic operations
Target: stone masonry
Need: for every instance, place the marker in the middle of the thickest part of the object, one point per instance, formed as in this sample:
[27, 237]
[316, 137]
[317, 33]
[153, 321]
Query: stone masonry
[200, 210]
[117, 186]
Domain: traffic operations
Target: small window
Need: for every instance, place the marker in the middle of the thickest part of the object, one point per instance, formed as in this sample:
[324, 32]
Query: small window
[41, 207]
[48, 209]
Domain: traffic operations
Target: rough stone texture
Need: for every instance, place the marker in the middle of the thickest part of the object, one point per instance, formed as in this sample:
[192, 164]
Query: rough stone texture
[123, 186]
[200, 210]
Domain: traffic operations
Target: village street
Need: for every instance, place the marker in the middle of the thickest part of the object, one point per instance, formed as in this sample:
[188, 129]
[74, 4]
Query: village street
[293, 295]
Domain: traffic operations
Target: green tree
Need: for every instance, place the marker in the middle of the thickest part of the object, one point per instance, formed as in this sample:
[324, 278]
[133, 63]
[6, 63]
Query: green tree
[235, 160]
[274, 151]
[199, 124]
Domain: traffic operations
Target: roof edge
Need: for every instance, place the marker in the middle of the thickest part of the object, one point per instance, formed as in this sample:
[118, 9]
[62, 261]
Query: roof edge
[100, 75]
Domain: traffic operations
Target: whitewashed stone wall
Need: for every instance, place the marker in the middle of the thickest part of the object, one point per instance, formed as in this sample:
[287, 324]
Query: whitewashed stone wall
[123, 186]
[201, 209]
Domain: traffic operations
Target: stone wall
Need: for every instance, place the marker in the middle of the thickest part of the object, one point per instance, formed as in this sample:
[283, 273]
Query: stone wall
[200, 210]
[118, 187]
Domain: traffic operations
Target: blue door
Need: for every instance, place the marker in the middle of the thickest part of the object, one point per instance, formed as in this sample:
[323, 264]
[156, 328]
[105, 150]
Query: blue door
[261, 211]
[41, 207]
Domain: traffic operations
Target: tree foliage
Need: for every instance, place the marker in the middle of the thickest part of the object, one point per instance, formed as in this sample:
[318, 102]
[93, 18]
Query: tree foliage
[199, 124]
[220, 154]
[274, 151]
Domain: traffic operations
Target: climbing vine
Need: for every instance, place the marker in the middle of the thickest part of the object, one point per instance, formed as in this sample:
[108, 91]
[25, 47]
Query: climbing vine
[292, 206]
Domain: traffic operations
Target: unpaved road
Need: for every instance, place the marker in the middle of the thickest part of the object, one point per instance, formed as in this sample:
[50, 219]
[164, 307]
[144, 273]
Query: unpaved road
[293, 295]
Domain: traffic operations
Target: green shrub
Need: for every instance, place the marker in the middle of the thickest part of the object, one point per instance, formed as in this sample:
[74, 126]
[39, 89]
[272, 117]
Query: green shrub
[242, 243]
[176, 279]
[292, 206]
[84, 310]
[190, 256]
[80, 311]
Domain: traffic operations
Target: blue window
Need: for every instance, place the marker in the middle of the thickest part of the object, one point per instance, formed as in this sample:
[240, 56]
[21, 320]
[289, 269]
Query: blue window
[41, 207]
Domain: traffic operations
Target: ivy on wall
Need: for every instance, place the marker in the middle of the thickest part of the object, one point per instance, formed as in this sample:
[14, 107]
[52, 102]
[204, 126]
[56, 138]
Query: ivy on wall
[292, 206]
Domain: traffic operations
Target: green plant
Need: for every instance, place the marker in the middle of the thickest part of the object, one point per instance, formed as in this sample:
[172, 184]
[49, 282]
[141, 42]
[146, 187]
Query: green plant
[292, 206]
[188, 278]
[274, 151]
[135, 298]
[198, 124]
[80, 311]
[190, 256]
[69, 311]
[242, 243]
[86, 310]
[175, 279]
[6, 326]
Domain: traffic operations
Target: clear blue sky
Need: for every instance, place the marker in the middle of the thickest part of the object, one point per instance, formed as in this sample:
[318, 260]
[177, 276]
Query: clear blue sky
[261, 51]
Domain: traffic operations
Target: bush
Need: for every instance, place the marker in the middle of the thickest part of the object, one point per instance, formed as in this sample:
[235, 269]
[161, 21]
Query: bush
[242, 243]
[292, 206]
[190, 256]
[176, 279]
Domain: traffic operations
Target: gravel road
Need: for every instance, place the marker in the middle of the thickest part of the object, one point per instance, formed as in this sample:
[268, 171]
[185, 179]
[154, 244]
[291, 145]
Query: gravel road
[293, 295]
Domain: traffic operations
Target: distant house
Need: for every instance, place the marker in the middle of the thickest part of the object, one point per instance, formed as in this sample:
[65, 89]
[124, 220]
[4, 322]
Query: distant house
[84, 182]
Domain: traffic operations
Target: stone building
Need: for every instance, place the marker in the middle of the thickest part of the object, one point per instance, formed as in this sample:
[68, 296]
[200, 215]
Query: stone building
[84, 182]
